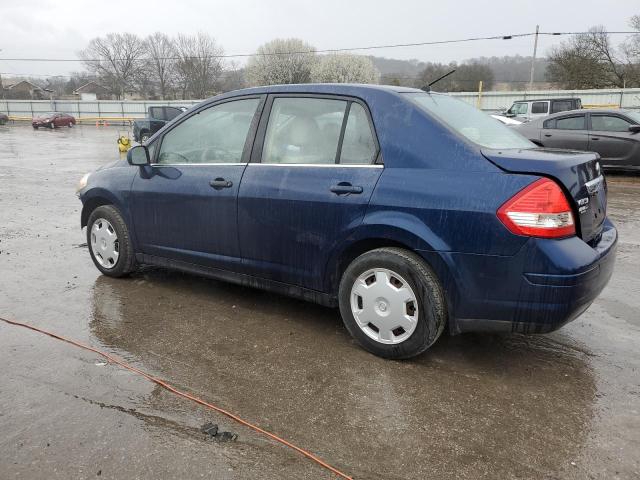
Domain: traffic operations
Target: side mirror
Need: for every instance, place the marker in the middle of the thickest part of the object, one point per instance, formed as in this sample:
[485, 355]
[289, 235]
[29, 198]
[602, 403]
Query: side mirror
[634, 128]
[138, 155]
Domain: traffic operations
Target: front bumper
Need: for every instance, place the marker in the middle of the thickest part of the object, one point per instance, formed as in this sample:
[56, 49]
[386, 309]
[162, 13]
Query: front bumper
[547, 284]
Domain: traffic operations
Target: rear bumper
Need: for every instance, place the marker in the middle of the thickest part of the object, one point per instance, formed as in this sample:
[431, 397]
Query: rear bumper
[547, 284]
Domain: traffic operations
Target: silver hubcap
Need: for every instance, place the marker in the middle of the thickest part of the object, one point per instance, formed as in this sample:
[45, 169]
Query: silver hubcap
[104, 243]
[384, 306]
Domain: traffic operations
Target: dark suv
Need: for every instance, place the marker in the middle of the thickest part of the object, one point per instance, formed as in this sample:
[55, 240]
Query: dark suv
[156, 119]
[411, 211]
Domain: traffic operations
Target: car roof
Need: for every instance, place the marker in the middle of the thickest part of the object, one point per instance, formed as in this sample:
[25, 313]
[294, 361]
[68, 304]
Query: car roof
[545, 99]
[583, 110]
[337, 88]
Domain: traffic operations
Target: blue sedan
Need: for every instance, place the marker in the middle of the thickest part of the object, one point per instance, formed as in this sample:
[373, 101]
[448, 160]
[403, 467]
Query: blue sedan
[410, 211]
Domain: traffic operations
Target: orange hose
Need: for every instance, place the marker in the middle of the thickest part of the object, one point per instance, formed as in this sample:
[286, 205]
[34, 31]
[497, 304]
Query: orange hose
[180, 393]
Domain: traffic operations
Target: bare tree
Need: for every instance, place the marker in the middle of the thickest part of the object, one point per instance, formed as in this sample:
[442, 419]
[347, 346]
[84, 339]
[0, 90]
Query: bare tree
[344, 68]
[281, 61]
[116, 59]
[199, 65]
[590, 60]
[161, 63]
[631, 51]
[232, 77]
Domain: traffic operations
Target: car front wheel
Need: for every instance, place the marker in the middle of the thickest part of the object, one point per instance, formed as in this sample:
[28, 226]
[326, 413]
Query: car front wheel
[392, 303]
[109, 242]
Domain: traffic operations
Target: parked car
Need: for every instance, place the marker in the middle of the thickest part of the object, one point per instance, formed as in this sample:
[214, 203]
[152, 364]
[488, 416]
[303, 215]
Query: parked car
[530, 109]
[53, 120]
[3, 118]
[506, 120]
[411, 211]
[157, 117]
[614, 134]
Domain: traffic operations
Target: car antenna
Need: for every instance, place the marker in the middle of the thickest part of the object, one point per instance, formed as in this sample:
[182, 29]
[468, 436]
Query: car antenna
[427, 88]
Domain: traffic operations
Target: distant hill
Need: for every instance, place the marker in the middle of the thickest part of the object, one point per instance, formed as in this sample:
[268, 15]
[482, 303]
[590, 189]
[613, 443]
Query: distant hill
[509, 72]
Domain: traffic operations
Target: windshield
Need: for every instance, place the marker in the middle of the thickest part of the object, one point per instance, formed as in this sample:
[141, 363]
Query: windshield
[519, 108]
[470, 122]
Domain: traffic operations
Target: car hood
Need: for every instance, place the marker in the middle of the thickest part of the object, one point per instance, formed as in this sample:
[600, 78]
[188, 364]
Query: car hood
[117, 163]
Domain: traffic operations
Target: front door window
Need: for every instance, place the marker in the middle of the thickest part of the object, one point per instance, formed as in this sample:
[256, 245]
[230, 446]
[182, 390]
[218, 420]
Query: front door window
[215, 135]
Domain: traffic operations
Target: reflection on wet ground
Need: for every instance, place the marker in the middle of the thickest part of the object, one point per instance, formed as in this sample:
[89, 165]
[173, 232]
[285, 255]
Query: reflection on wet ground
[563, 405]
[238, 345]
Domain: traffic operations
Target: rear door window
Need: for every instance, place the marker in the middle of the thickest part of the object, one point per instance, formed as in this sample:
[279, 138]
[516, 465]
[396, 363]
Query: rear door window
[303, 131]
[540, 107]
[156, 113]
[609, 123]
[570, 123]
[171, 112]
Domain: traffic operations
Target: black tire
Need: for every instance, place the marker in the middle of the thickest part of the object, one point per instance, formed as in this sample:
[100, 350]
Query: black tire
[51, 125]
[70, 124]
[432, 314]
[35, 127]
[126, 258]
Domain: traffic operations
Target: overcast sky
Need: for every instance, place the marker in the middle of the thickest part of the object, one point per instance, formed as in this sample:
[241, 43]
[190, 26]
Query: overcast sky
[59, 28]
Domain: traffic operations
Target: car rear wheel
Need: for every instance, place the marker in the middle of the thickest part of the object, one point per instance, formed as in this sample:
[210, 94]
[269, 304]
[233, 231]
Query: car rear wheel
[392, 303]
[109, 242]
[51, 125]
[70, 124]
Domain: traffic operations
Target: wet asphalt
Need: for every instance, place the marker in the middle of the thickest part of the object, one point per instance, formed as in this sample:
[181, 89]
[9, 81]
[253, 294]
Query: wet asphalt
[562, 405]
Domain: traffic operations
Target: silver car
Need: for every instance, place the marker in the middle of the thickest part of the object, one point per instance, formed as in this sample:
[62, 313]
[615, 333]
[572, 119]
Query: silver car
[614, 134]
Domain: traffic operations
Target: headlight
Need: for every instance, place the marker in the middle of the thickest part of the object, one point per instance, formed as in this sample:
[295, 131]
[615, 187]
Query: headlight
[82, 183]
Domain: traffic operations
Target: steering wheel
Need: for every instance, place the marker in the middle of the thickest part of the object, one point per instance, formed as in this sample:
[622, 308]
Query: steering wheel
[171, 154]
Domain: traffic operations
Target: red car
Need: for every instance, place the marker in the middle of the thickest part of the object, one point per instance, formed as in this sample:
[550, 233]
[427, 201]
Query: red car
[53, 120]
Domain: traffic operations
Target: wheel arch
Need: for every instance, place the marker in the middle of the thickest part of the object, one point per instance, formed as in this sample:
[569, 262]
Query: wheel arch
[96, 198]
[371, 236]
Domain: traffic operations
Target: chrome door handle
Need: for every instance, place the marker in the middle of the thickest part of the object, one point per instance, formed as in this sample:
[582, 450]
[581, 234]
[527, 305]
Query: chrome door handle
[220, 183]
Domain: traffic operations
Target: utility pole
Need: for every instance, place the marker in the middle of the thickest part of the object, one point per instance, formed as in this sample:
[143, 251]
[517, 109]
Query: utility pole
[533, 59]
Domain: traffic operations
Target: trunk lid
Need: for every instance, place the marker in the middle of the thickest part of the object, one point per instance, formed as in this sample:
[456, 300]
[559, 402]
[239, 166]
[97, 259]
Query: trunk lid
[579, 173]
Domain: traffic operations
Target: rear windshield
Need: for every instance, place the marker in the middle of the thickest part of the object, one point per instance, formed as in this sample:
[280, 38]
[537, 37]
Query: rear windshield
[470, 122]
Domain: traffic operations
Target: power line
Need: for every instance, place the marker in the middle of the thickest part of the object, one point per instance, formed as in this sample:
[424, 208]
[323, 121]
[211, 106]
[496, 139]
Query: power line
[328, 50]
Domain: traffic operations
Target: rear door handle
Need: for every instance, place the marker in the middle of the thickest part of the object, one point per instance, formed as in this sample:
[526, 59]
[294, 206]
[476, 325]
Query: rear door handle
[345, 188]
[595, 138]
[220, 183]
[547, 134]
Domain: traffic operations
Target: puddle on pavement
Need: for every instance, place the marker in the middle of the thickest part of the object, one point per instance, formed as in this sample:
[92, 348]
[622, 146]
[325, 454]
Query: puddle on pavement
[473, 404]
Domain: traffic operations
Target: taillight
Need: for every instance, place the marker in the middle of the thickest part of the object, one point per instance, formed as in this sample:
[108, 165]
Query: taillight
[539, 210]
